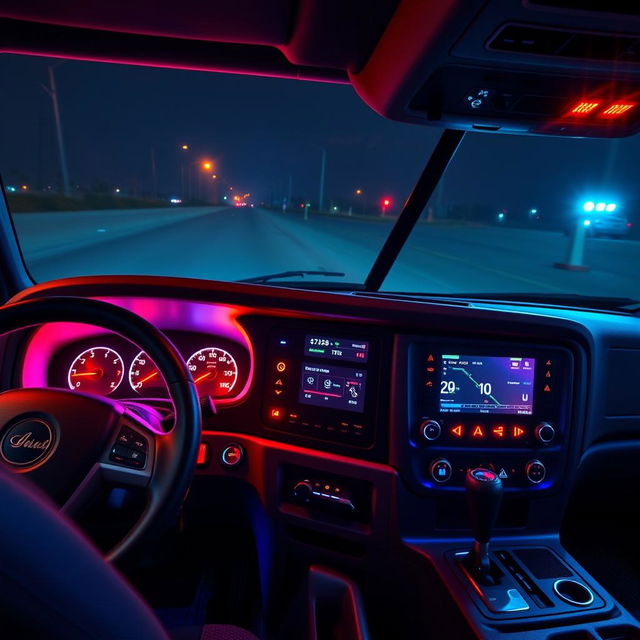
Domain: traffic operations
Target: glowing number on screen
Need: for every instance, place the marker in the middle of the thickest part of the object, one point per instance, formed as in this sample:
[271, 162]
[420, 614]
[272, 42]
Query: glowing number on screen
[447, 386]
[485, 388]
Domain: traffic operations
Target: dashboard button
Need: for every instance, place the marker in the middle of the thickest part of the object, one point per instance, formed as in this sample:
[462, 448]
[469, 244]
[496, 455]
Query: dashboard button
[441, 470]
[232, 455]
[545, 433]
[535, 471]
[303, 490]
[431, 429]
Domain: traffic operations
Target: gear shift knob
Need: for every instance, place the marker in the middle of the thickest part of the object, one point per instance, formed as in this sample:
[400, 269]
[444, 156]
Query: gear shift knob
[484, 495]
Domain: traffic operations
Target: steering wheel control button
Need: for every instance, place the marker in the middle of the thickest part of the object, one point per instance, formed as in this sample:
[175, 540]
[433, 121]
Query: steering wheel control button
[27, 443]
[232, 455]
[441, 470]
[132, 439]
[535, 471]
[128, 457]
[545, 433]
[431, 430]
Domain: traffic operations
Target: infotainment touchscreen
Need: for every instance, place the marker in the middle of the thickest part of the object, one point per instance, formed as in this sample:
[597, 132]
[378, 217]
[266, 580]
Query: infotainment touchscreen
[331, 386]
[487, 384]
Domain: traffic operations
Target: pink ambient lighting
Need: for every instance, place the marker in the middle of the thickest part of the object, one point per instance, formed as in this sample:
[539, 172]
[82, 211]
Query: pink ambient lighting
[166, 314]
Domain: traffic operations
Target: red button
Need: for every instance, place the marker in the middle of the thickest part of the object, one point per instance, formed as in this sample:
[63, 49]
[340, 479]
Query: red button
[202, 454]
[232, 455]
[275, 413]
[457, 431]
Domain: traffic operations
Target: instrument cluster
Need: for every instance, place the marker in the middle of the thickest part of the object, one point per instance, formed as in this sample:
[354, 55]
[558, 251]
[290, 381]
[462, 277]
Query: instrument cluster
[108, 365]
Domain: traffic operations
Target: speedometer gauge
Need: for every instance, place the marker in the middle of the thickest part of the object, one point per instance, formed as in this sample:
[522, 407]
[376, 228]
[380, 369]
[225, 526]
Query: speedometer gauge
[97, 370]
[144, 376]
[214, 371]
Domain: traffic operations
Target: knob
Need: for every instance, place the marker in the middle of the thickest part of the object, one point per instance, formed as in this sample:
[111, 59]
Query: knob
[545, 433]
[232, 455]
[430, 429]
[441, 470]
[303, 490]
[535, 471]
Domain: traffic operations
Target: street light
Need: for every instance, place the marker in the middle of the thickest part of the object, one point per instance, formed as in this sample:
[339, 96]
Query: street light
[207, 166]
[184, 147]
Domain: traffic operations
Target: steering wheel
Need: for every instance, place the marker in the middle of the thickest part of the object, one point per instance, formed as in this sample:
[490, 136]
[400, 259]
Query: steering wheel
[71, 443]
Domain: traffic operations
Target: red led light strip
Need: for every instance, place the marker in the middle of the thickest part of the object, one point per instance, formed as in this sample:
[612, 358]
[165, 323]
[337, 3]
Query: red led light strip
[591, 106]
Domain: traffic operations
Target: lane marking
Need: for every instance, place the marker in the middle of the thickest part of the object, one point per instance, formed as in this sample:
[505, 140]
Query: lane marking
[500, 272]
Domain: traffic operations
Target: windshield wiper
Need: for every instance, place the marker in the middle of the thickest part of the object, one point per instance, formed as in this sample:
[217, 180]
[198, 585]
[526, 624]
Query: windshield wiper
[292, 274]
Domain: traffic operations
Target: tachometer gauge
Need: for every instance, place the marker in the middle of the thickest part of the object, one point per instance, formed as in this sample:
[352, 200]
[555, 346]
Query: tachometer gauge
[97, 370]
[144, 376]
[214, 371]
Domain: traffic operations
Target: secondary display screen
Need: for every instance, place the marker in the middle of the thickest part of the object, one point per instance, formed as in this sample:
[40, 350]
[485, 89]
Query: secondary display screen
[326, 385]
[487, 384]
[336, 348]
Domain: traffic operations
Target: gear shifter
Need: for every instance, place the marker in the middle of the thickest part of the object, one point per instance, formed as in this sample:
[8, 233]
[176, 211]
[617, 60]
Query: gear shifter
[484, 495]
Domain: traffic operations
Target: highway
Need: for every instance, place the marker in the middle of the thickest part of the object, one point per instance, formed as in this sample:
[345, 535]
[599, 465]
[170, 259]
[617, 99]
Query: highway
[230, 244]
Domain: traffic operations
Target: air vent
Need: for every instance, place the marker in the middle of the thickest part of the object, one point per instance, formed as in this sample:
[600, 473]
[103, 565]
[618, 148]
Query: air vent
[518, 38]
[624, 7]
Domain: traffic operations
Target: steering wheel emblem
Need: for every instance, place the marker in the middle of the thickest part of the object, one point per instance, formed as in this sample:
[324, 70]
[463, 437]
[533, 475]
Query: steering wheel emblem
[27, 442]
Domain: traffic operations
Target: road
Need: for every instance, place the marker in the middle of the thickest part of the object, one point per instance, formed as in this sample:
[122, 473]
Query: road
[230, 244]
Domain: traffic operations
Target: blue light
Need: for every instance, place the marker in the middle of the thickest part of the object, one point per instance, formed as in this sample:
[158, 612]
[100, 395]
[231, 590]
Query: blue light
[501, 216]
[600, 206]
[589, 206]
[611, 207]
[587, 223]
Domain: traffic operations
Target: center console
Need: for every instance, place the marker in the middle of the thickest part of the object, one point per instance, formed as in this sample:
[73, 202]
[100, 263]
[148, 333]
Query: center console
[505, 407]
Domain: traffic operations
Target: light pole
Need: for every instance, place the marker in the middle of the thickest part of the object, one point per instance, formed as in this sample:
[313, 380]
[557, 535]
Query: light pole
[51, 90]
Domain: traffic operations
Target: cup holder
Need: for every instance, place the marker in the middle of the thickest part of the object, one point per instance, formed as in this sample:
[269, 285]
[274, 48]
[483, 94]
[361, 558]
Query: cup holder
[573, 592]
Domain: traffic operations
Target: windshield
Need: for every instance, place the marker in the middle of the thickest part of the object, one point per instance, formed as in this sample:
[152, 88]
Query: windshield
[112, 169]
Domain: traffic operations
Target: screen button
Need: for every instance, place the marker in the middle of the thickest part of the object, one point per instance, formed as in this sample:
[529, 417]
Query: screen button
[431, 430]
[441, 470]
[535, 471]
[457, 431]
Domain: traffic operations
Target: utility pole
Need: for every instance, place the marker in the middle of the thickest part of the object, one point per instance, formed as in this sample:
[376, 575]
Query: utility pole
[51, 90]
[322, 169]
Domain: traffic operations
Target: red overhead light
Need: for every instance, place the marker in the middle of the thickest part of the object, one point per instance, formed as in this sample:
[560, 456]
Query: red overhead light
[617, 109]
[584, 107]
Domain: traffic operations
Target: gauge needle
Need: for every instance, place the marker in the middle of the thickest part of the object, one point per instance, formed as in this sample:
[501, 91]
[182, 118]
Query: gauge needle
[87, 373]
[202, 377]
[147, 378]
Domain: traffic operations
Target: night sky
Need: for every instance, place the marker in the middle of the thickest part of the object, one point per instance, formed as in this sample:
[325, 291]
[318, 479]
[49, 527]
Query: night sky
[261, 130]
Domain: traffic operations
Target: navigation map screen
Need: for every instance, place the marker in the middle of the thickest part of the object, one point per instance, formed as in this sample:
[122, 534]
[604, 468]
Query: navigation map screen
[326, 385]
[487, 384]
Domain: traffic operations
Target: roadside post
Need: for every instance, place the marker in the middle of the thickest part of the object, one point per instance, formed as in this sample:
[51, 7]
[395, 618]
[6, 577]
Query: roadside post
[575, 253]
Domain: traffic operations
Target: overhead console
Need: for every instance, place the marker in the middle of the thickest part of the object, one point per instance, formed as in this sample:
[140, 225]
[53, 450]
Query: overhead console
[517, 67]
[485, 404]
